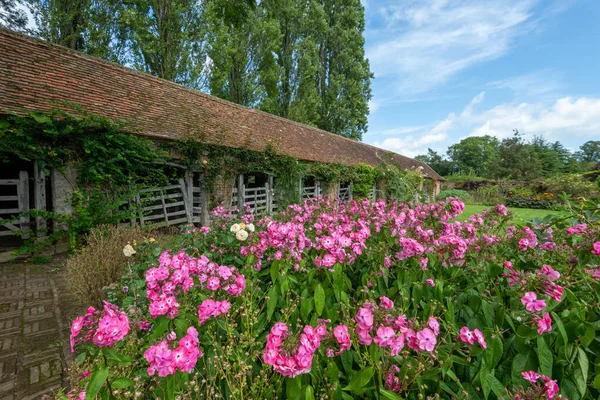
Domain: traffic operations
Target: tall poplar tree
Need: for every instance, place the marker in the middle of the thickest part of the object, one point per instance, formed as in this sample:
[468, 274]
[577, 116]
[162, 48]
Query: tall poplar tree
[166, 39]
[241, 44]
[301, 25]
[13, 15]
[344, 72]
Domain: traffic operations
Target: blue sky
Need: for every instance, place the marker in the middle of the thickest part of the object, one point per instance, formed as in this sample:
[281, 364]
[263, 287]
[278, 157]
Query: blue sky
[449, 69]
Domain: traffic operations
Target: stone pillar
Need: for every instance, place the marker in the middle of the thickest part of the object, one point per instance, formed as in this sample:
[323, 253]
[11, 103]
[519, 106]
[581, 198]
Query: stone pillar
[63, 185]
[221, 192]
[330, 188]
[436, 188]
[380, 187]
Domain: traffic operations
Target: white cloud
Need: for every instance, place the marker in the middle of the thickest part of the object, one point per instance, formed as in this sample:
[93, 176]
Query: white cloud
[419, 45]
[538, 84]
[410, 145]
[569, 120]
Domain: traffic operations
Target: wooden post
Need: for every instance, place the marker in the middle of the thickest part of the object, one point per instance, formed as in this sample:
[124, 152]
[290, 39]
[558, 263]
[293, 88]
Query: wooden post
[39, 195]
[241, 192]
[350, 192]
[269, 206]
[164, 206]
[23, 193]
[188, 201]
[204, 203]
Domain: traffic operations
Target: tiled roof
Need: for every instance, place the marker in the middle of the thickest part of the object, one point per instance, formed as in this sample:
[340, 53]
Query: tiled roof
[37, 76]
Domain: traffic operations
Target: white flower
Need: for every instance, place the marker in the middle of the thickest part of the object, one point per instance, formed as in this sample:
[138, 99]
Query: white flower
[235, 228]
[128, 251]
[250, 227]
[241, 235]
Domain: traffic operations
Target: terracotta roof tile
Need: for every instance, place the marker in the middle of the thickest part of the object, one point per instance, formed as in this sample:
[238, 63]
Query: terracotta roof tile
[37, 75]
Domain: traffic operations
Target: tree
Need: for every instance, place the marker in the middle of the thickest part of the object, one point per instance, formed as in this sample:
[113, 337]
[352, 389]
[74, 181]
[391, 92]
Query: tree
[62, 21]
[166, 38]
[301, 25]
[242, 42]
[516, 159]
[13, 15]
[439, 164]
[589, 152]
[344, 80]
[474, 154]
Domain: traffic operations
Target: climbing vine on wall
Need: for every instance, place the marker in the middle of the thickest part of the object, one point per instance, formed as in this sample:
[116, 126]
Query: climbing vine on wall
[111, 165]
[220, 162]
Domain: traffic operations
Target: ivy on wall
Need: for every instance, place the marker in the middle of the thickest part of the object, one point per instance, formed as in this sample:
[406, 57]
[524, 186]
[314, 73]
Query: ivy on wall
[112, 165]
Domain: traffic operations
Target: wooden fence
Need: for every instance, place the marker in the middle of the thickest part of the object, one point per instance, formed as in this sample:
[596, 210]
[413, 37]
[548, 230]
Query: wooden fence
[15, 203]
[311, 192]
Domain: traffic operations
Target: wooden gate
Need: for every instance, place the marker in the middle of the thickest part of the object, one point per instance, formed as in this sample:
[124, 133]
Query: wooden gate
[15, 201]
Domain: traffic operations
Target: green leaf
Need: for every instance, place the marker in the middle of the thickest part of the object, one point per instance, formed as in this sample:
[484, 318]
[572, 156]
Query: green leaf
[81, 358]
[496, 386]
[4, 124]
[40, 118]
[488, 313]
[494, 351]
[274, 271]
[584, 364]
[597, 382]
[121, 383]
[447, 389]
[561, 327]
[272, 302]
[544, 357]
[388, 394]
[588, 337]
[309, 394]
[319, 299]
[361, 378]
[519, 365]
[97, 380]
[293, 388]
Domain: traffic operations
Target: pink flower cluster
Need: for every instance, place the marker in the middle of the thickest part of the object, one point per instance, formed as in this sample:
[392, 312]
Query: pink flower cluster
[163, 282]
[392, 379]
[531, 302]
[596, 249]
[472, 336]
[392, 331]
[544, 323]
[286, 240]
[211, 308]
[103, 328]
[528, 239]
[342, 337]
[550, 388]
[577, 229]
[164, 360]
[289, 356]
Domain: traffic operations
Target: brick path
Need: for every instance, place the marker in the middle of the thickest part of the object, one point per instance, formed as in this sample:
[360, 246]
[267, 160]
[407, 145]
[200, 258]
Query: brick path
[35, 310]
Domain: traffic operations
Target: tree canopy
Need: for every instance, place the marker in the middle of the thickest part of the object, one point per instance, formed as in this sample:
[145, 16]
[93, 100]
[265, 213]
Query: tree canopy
[299, 59]
[512, 158]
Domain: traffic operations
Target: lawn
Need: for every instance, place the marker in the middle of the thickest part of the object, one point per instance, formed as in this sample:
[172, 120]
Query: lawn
[521, 214]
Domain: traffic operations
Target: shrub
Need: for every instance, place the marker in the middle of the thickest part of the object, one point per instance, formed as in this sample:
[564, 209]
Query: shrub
[572, 184]
[489, 195]
[461, 194]
[101, 262]
[356, 300]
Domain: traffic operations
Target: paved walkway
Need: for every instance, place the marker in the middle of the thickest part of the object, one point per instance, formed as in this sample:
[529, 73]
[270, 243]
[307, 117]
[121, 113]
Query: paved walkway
[35, 313]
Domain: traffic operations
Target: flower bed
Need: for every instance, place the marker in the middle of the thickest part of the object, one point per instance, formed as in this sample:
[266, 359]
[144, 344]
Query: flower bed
[358, 300]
